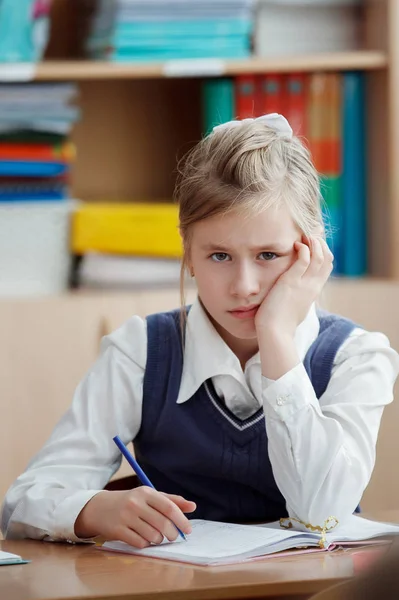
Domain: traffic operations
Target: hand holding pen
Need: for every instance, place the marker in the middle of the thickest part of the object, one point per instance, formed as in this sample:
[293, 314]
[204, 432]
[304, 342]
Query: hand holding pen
[138, 517]
[138, 470]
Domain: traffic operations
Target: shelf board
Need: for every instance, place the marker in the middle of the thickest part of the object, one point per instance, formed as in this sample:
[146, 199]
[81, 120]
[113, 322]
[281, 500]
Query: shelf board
[86, 70]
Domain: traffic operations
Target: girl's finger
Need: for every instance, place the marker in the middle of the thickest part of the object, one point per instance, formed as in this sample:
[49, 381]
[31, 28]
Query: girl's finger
[169, 510]
[132, 538]
[317, 258]
[148, 532]
[328, 259]
[151, 524]
[326, 250]
[301, 264]
[187, 506]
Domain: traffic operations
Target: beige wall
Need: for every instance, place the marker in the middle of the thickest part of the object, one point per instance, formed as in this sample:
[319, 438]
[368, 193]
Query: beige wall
[375, 306]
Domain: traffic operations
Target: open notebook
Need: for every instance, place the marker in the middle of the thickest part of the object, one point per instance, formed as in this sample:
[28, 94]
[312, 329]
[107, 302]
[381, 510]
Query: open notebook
[215, 543]
[6, 558]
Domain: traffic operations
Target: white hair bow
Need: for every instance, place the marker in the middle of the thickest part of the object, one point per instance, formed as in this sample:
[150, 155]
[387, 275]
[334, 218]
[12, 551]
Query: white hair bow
[272, 120]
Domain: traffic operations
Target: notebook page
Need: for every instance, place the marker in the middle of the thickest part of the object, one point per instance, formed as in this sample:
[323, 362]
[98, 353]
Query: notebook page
[357, 528]
[212, 541]
[7, 558]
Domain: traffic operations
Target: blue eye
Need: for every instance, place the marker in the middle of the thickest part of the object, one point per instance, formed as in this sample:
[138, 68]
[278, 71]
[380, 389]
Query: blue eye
[220, 257]
[268, 255]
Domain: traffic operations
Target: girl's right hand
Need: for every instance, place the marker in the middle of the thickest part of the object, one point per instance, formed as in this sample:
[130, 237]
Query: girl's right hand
[138, 517]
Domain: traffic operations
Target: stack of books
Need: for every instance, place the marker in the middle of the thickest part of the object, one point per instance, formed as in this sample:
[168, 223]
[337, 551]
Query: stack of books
[327, 111]
[35, 150]
[35, 160]
[125, 245]
[159, 30]
[292, 27]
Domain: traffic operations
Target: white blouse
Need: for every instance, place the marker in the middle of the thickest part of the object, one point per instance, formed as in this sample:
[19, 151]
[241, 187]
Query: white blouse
[322, 451]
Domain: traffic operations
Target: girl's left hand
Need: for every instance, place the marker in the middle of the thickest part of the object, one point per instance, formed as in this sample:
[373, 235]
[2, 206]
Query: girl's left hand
[289, 300]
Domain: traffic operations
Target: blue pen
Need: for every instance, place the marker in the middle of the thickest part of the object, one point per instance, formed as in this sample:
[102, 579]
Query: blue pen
[137, 469]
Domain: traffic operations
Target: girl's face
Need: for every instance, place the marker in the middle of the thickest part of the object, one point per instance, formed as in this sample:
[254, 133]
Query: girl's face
[236, 261]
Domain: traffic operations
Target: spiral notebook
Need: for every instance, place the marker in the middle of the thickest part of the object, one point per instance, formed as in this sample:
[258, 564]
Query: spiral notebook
[216, 543]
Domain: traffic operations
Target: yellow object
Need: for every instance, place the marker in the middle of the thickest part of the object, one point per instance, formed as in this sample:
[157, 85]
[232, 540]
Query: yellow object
[147, 229]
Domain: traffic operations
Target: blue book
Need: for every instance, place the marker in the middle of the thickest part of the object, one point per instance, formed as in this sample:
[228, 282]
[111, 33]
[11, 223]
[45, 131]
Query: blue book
[125, 31]
[180, 53]
[354, 192]
[31, 168]
[33, 197]
[187, 44]
[30, 191]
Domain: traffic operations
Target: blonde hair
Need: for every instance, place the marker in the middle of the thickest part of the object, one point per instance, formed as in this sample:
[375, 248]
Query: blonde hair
[246, 169]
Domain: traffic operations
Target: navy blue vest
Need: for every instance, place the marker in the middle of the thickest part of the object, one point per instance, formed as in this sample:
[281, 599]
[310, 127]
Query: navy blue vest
[201, 450]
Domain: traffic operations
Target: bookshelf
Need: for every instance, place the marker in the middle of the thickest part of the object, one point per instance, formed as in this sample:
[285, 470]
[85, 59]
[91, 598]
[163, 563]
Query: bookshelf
[88, 70]
[137, 119]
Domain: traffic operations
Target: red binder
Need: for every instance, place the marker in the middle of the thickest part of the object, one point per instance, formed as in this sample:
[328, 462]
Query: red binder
[245, 96]
[270, 94]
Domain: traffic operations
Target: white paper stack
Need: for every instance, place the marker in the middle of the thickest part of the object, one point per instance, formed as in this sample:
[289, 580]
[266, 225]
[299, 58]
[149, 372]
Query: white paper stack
[108, 271]
[291, 27]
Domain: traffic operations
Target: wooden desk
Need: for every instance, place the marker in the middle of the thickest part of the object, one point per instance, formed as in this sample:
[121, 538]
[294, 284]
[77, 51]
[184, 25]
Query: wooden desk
[72, 572]
[83, 572]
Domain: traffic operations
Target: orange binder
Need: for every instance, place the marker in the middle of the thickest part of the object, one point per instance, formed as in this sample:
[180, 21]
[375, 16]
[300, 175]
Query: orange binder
[324, 122]
[296, 88]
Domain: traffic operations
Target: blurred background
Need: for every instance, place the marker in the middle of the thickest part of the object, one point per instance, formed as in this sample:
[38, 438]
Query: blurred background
[98, 101]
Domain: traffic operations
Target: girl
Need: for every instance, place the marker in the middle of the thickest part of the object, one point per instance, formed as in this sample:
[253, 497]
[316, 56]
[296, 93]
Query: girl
[249, 406]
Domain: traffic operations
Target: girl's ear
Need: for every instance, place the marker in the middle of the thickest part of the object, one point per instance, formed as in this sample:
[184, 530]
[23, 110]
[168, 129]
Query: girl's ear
[186, 261]
[190, 268]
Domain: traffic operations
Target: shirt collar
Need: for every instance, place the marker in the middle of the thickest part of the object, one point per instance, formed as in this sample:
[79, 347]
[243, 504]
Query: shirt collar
[207, 355]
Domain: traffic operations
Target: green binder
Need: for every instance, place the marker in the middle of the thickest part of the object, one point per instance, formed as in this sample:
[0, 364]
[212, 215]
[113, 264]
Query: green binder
[217, 102]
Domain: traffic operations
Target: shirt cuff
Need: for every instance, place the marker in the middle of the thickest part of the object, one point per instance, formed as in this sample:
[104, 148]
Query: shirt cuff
[66, 513]
[289, 394]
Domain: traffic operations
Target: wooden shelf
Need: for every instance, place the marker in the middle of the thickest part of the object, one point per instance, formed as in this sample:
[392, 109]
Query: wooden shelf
[86, 70]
